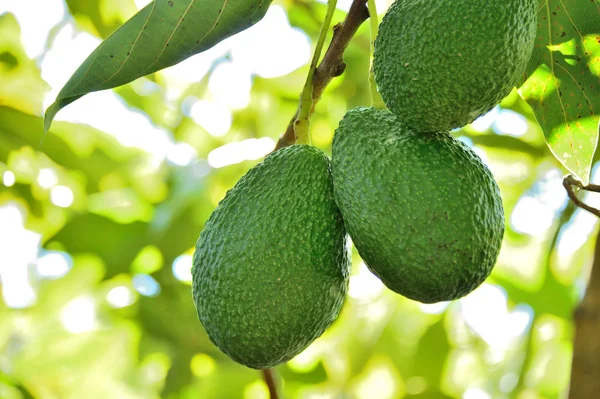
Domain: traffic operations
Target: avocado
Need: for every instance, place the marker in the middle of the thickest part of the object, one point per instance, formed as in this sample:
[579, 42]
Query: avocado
[441, 64]
[270, 270]
[423, 211]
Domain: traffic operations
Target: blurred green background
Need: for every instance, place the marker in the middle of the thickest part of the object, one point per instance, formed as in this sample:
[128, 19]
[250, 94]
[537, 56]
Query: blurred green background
[98, 221]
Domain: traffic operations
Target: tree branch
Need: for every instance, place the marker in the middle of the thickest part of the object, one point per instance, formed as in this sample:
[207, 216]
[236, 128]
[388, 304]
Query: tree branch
[586, 350]
[270, 381]
[570, 183]
[332, 64]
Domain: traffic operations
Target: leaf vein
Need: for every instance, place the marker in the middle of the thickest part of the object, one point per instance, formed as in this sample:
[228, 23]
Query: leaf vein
[187, 10]
[589, 53]
[557, 82]
[212, 28]
[258, 7]
[88, 69]
[130, 52]
[591, 107]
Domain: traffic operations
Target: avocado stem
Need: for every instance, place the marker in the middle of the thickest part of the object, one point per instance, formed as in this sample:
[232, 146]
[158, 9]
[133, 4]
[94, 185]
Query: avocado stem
[332, 65]
[269, 377]
[376, 100]
[302, 124]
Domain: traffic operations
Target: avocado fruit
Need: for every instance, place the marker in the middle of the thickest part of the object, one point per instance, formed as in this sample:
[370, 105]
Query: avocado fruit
[440, 64]
[270, 270]
[423, 211]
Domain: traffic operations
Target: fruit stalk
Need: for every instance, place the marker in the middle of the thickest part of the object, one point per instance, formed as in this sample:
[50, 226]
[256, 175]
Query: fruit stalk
[302, 123]
[332, 64]
[271, 384]
[376, 100]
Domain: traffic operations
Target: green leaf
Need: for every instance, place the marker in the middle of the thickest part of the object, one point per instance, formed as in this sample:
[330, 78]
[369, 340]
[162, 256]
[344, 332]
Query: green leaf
[162, 34]
[563, 87]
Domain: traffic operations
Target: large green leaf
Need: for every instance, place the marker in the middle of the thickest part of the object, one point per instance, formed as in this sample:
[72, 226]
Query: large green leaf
[564, 81]
[162, 34]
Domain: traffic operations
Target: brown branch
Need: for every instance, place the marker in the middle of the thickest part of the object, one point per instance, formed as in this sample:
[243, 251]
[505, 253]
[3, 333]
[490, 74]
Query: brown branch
[585, 373]
[593, 188]
[270, 381]
[570, 183]
[332, 64]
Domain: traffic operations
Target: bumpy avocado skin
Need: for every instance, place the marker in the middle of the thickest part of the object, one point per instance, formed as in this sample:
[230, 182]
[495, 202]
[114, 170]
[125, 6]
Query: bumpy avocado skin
[439, 64]
[423, 211]
[270, 271]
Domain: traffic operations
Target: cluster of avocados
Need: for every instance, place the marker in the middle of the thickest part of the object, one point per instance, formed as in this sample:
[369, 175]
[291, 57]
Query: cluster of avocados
[271, 266]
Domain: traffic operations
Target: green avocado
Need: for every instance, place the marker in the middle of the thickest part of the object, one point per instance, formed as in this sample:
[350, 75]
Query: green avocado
[439, 64]
[270, 271]
[423, 211]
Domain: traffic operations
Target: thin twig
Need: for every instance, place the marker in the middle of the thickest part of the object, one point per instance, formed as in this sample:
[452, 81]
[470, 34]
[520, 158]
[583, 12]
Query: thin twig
[332, 64]
[593, 188]
[270, 381]
[571, 180]
[570, 183]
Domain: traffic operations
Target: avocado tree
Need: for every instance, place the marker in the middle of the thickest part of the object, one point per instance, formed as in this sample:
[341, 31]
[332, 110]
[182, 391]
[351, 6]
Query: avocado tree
[442, 152]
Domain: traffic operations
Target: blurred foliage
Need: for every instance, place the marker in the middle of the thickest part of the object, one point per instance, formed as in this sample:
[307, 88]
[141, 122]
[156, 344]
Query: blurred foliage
[96, 237]
[101, 17]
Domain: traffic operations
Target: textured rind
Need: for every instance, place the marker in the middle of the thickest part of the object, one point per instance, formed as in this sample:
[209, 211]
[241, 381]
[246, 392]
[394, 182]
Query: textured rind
[271, 267]
[423, 211]
[439, 64]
